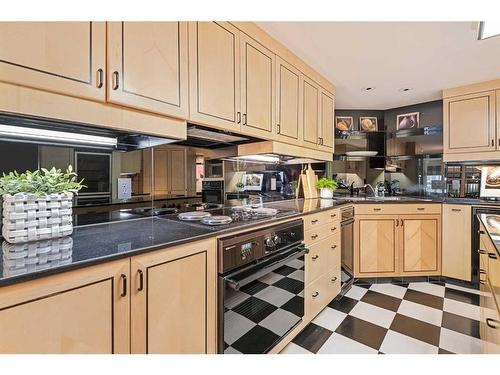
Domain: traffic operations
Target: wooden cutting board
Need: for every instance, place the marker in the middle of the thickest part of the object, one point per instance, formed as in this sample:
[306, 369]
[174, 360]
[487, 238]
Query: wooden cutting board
[311, 182]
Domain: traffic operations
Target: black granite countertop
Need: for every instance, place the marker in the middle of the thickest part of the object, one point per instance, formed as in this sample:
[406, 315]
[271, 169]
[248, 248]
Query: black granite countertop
[491, 223]
[98, 243]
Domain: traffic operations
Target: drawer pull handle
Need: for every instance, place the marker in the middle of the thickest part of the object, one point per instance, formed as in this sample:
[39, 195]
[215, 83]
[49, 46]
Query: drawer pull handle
[238, 117]
[377, 209]
[314, 236]
[334, 247]
[482, 272]
[141, 280]
[421, 208]
[334, 279]
[315, 294]
[314, 221]
[124, 285]
[100, 78]
[492, 323]
[456, 210]
[492, 256]
[314, 257]
[333, 215]
[480, 251]
[481, 232]
[333, 229]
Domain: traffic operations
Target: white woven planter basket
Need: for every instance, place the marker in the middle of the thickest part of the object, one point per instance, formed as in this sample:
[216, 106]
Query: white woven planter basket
[28, 217]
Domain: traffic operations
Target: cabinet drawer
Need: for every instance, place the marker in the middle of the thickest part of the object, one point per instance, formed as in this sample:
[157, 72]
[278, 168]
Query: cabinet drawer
[319, 233]
[321, 218]
[321, 292]
[489, 326]
[398, 209]
[323, 256]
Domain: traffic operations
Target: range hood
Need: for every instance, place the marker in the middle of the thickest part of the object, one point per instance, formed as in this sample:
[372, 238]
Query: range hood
[27, 129]
[279, 153]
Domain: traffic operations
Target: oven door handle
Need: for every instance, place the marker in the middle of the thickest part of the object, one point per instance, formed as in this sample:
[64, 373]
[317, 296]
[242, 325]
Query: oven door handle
[346, 222]
[237, 284]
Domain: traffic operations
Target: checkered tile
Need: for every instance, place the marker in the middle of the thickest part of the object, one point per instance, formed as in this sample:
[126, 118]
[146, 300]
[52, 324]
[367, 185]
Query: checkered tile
[260, 313]
[390, 318]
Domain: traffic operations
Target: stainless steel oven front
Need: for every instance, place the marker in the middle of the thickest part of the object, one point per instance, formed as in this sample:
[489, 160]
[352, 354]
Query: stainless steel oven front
[261, 287]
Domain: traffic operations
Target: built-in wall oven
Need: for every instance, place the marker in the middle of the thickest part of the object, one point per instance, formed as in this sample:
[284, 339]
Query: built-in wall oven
[212, 191]
[261, 287]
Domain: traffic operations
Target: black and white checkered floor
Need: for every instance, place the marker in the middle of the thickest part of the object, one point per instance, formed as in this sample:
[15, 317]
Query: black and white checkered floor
[389, 318]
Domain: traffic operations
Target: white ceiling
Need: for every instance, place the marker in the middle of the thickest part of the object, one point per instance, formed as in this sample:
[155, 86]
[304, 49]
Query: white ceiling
[425, 56]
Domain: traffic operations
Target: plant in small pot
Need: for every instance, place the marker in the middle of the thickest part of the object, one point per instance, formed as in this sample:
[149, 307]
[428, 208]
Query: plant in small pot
[38, 205]
[240, 186]
[326, 187]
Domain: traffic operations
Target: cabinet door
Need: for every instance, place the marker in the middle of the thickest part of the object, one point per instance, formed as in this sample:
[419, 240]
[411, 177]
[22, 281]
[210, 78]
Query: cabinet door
[257, 88]
[160, 178]
[62, 57]
[375, 244]
[214, 67]
[469, 123]
[326, 128]
[420, 244]
[77, 312]
[288, 99]
[174, 300]
[148, 66]
[456, 257]
[310, 112]
[177, 172]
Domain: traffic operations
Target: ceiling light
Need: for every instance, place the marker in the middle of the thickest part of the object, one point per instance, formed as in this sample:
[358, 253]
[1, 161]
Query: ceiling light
[259, 158]
[30, 134]
[488, 29]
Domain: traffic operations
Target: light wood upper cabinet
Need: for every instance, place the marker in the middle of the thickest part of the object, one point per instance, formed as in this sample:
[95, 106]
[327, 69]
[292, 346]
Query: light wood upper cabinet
[214, 66]
[83, 311]
[170, 166]
[326, 129]
[62, 57]
[257, 88]
[376, 245]
[148, 66]
[310, 106]
[174, 300]
[420, 244]
[456, 252]
[469, 123]
[287, 102]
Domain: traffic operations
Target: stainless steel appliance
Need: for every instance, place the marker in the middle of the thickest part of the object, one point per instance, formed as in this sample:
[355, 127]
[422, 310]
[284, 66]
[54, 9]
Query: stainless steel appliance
[261, 287]
[475, 246]
[212, 191]
[347, 250]
[214, 168]
[95, 169]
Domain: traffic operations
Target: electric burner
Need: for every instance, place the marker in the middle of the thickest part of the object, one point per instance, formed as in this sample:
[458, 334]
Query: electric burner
[216, 220]
[194, 215]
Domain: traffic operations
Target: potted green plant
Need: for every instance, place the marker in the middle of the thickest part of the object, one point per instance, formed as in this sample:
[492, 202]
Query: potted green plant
[240, 186]
[38, 205]
[326, 187]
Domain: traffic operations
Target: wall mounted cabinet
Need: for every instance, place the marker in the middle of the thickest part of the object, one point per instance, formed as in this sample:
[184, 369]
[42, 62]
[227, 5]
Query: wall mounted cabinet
[64, 57]
[170, 171]
[471, 129]
[147, 66]
[288, 97]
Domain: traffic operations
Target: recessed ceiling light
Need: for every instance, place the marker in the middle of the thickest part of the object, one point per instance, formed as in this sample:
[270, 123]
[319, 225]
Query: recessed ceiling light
[405, 89]
[370, 88]
[488, 29]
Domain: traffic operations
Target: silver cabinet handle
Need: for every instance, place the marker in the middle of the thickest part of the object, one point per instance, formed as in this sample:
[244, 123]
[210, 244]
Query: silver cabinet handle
[238, 117]
[377, 209]
[244, 118]
[278, 128]
[314, 257]
[334, 247]
[314, 236]
[116, 80]
[420, 208]
[315, 294]
[333, 229]
[334, 279]
[100, 78]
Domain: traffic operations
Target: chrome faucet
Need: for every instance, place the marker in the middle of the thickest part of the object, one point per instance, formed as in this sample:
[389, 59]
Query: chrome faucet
[371, 188]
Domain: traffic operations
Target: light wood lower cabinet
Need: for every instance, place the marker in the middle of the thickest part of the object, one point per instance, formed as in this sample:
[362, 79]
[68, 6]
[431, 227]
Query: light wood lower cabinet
[83, 311]
[376, 244]
[173, 300]
[397, 245]
[456, 253]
